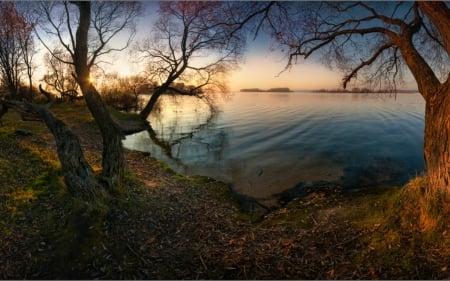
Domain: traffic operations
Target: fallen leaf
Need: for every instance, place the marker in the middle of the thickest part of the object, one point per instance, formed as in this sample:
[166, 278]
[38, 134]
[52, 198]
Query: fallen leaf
[150, 240]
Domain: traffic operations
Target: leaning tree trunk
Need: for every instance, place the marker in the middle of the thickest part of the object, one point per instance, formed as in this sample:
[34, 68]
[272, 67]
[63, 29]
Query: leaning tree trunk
[150, 105]
[153, 99]
[78, 174]
[161, 90]
[437, 141]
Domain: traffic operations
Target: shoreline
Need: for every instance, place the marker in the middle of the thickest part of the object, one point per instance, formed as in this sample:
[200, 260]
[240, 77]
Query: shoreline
[168, 226]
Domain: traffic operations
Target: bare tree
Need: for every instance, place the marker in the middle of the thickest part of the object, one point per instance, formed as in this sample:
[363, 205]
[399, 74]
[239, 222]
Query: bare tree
[379, 41]
[192, 43]
[16, 47]
[59, 77]
[72, 24]
[27, 43]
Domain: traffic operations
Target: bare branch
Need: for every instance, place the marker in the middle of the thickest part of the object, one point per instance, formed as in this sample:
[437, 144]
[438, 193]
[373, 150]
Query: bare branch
[355, 70]
[109, 20]
[439, 15]
[186, 32]
[69, 26]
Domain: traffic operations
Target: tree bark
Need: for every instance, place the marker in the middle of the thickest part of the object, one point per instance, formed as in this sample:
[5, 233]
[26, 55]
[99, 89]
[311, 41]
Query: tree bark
[437, 99]
[78, 174]
[439, 13]
[113, 160]
[112, 156]
[437, 141]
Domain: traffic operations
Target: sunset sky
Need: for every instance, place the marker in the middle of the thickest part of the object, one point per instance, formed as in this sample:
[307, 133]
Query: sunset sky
[262, 67]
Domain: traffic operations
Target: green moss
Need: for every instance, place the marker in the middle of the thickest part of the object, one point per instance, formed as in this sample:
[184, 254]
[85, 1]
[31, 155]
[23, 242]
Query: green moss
[166, 168]
[371, 207]
[51, 179]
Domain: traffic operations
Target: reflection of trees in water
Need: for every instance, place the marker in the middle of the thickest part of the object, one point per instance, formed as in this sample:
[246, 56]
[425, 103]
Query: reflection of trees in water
[385, 96]
[179, 123]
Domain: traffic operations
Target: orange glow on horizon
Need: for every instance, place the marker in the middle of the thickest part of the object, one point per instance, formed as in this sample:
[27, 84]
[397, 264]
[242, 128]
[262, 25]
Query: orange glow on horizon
[263, 71]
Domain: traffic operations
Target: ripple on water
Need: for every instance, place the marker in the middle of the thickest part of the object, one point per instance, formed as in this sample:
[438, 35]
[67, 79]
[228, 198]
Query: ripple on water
[264, 143]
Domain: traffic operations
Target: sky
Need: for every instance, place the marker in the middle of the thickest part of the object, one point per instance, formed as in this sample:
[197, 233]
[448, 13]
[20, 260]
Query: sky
[265, 68]
[262, 67]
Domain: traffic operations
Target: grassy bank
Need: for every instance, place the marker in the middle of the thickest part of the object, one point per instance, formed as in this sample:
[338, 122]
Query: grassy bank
[167, 226]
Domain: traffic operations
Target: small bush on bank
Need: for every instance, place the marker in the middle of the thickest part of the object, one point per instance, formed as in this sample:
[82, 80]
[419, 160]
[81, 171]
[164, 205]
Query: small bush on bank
[121, 100]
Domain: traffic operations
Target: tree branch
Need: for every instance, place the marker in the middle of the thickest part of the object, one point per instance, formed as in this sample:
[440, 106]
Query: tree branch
[439, 15]
[352, 74]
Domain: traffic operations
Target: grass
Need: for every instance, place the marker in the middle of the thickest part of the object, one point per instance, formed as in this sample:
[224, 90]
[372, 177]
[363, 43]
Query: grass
[375, 208]
[408, 226]
[424, 209]
[32, 188]
[398, 228]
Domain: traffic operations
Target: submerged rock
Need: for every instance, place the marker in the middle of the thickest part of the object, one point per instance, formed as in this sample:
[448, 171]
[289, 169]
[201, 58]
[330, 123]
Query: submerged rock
[302, 189]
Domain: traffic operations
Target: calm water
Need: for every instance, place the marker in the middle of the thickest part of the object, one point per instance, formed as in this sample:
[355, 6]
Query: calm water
[265, 143]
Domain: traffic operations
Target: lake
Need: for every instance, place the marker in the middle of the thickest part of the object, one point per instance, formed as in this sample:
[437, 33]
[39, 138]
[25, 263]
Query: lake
[265, 143]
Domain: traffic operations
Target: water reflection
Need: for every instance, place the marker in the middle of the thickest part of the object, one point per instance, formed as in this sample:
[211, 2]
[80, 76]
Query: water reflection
[264, 143]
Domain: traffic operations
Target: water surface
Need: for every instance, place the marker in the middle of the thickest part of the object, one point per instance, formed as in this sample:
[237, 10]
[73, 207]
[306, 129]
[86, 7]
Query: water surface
[265, 143]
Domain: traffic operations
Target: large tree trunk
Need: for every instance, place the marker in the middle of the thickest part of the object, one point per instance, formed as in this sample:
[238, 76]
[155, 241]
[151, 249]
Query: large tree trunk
[161, 90]
[437, 141]
[113, 160]
[437, 96]
[112, 156]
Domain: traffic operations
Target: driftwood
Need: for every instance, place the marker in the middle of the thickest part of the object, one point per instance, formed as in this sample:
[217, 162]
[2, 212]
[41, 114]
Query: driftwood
[71, 95]
[21, 108]
[48, 95]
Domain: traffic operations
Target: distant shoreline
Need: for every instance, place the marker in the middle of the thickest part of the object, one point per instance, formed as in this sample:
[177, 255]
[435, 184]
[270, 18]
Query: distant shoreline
[364, 91]
[336, 91]
[282, 90]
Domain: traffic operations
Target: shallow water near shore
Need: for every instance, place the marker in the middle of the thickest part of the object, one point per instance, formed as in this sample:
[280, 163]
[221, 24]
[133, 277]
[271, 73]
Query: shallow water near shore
[266, 143]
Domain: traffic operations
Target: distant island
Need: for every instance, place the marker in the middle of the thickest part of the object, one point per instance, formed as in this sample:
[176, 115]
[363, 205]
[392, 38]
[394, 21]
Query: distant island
[282, 90]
